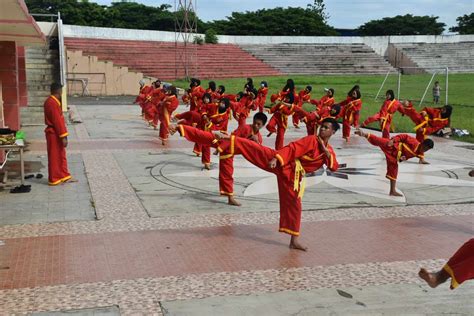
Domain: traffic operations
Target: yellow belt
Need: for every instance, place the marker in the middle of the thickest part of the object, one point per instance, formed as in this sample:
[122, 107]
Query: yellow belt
[422, 124]
[399, 155]
[299, 175]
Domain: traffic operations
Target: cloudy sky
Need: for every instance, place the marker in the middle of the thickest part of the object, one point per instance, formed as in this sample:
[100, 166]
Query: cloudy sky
[343, 13]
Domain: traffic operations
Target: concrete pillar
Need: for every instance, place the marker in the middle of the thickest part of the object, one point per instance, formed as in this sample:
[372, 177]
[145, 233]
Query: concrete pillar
[10, 84]
[22, 76]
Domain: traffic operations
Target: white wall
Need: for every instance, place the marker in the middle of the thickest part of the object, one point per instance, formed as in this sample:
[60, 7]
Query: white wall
[378, 43]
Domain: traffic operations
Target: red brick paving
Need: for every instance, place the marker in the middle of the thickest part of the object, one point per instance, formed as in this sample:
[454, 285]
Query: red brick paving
[42, 261]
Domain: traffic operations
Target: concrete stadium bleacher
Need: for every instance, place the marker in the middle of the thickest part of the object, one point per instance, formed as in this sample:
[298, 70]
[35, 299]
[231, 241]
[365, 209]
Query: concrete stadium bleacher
[458, 57]
[157, 59]
[320, 58]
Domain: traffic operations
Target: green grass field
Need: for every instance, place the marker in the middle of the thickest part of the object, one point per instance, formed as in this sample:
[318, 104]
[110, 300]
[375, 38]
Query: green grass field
[461, 93]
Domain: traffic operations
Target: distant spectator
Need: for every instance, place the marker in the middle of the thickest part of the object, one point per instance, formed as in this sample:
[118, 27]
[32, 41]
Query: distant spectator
[436, 92]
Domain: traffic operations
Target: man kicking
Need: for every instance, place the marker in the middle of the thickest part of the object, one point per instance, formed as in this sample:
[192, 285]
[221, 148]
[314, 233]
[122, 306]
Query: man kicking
[289, 164]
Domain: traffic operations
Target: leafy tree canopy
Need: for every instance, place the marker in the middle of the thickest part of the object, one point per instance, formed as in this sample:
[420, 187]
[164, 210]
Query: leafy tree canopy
[465, 24]
[278, 21]
[403, 25]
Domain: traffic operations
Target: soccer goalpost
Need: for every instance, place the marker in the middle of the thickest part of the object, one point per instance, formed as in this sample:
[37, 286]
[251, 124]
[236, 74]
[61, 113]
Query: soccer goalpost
[413, 91]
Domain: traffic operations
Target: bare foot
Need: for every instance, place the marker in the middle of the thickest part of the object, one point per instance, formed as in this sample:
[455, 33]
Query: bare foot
[395, 193]
[269, 134]
[294, 244]
[233, 201]
[430, 278]
[423, 162]
[164, 142]
[296, 126]
[347, 139]
[207, 166]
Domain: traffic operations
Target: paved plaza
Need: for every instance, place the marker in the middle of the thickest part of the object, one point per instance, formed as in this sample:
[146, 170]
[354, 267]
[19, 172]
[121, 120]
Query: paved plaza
[144, 231]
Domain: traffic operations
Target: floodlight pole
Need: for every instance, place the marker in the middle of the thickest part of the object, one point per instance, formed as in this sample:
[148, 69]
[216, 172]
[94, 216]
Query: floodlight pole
[185, 31]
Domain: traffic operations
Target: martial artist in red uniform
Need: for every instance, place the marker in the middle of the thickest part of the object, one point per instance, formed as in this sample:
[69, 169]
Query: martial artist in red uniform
[304, 96]
[429, 120]
[222, 94]
[385, 115]
[212, 90]
[246, 105]
[313, 119]
[350, 109]
[459, 268]
[262, 96]
[289, 164]
[196, 93]
[144, 91]
[326, 101]
[279, 121]
[56, 138]
[168, 106]
[397, 149]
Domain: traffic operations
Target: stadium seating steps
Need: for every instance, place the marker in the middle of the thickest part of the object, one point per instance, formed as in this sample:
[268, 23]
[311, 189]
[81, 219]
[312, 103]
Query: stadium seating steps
[458, 57]
[320, 58]
[157, 59]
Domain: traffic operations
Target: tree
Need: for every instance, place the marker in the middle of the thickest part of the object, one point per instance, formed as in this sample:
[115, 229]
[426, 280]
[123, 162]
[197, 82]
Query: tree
[319, 8]
[403, 25]
[465, 24]
[277, 21]
[210, 36]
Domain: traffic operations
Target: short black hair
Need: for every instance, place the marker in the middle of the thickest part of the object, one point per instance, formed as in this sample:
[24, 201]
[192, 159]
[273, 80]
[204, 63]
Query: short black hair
[261, 117]
[309, 88]
[212, 85]
[334, 123]
[428, 143]
[332, 91]
[448, 110]
[355, 87]
[264, 83]
[336, 108]
[173, 90]
[226, 102]
[207, 95]
[222, 88]
[392, 94]
[55, 86]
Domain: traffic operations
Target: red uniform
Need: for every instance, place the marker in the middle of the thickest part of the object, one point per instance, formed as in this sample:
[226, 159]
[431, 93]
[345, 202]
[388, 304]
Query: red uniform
[404, 147]
[195, 96]
[425, 124]
[141, 99]
[261, 98]
[350, 117]
[157, 98]
[55, 132]
[303, 97]
[226, 162]
[325, 101]
[246, 105]
[191, 118]
[168, 106]
[385, 116]
[279, 122]
[295, 159]
[461, 265]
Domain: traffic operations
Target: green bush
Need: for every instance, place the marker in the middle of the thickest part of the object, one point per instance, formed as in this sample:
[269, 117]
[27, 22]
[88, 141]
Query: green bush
[198, 40]
[211, 36]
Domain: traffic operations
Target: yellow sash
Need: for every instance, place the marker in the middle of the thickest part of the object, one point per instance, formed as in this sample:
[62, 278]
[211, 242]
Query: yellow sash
[299, 175]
